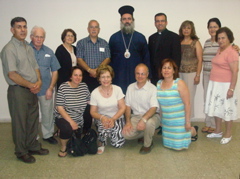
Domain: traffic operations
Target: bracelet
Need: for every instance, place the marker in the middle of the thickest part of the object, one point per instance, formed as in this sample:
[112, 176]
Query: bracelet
[88, 70]
[231, 89]
[197, 75]
[101, 117]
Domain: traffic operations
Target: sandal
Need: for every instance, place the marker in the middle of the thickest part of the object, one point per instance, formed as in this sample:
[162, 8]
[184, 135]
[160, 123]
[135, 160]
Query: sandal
[62, 152]
[195, 138]
[205, 129]
[100, 150]
[160, 130]
[210, 130]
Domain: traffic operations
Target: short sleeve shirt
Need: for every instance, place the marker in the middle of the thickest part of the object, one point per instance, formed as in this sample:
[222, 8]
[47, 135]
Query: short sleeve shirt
[48, 63]
[93, 53]
[107, 106]
[141, 100]
[19, 56]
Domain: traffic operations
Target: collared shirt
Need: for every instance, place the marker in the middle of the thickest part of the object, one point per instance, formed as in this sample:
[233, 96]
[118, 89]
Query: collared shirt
[48, 63]
[19, 56]
[141, 100]
[93, 53]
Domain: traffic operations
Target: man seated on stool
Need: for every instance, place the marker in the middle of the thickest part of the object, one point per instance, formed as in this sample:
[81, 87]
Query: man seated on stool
[141, 99]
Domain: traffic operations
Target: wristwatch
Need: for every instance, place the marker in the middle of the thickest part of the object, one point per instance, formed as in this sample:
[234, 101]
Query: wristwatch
[144, 120]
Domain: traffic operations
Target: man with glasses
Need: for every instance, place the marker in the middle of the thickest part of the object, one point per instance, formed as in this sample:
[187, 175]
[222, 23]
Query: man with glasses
[49, 66]
[163, 44]
[21, 72]
[92, 51]
[141, 99]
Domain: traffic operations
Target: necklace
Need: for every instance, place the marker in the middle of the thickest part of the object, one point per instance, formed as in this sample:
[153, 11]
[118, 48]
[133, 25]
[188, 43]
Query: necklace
[127, 54]
[107, 92]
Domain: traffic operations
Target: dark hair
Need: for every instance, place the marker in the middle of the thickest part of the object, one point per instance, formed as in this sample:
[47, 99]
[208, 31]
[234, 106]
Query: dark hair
[216, 20]
[160, 14]
[17, 19]
[173, 64]
[104, 68]
[227, 31]
[193, 32]
[65, 33]
[72, 70]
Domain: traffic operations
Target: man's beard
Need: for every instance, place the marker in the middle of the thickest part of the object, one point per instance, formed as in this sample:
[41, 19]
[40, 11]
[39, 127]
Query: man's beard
[128, 28]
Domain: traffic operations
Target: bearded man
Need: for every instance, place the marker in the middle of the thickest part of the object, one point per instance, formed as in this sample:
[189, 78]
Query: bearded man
[128, 49]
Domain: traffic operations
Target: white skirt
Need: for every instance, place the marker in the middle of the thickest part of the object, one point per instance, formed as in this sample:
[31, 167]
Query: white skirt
[217, 104]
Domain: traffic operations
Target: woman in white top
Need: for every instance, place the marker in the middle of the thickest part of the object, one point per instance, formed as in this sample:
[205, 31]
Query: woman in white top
[107, 108]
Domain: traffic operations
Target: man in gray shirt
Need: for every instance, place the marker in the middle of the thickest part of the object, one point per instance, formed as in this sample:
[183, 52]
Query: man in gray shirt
[21, 72]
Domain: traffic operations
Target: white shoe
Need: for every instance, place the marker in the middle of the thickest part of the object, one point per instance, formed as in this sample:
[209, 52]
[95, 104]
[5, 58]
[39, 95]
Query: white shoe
[225, 140]
[214, 135]
[100, 150]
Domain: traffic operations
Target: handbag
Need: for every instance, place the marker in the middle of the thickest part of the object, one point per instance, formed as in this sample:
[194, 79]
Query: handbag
[90, 141]
[75, 145]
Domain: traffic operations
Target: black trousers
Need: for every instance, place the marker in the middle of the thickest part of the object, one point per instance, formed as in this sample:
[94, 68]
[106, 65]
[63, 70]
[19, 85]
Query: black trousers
[92, 83]
[66, 130]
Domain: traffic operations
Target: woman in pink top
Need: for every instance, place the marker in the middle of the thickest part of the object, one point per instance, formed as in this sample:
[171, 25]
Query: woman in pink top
[221, 100]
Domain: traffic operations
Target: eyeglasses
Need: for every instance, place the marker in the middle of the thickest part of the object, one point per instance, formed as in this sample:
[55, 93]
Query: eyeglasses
[69, 36]
[141, 74]
[39, 37]
[105, 77]
[93, 27]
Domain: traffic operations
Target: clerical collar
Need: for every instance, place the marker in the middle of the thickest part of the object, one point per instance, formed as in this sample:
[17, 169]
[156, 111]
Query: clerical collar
[161, 33]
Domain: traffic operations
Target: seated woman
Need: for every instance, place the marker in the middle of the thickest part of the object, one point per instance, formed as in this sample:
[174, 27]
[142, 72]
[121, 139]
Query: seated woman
[174, 100]
[71, 101]
[107, 108]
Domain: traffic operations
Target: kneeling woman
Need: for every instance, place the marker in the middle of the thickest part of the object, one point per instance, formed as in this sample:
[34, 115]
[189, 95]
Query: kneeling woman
[71, 101]
[174, 100]
[107, 108]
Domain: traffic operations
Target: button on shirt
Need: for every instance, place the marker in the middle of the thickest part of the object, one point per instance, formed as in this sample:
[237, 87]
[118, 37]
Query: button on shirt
[18, 56]
[141, 100]
[93, 53]
[48, 63]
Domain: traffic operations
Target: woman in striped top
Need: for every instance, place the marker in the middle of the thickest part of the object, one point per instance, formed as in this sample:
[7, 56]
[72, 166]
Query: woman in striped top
[209, 51]
[174, 99]
[71, 101]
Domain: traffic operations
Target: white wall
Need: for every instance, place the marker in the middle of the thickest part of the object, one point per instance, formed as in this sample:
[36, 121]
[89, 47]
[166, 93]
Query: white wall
[56, 15]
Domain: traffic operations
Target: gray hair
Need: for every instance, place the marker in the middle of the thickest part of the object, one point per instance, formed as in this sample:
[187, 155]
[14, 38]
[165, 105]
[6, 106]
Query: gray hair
[37, 27]
[127, 29]
[93, 20]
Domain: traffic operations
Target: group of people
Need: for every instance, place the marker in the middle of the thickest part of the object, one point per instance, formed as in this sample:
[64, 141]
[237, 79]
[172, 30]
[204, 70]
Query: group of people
[127, 86]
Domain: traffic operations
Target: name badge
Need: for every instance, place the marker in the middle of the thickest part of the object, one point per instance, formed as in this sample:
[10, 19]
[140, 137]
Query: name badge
[47, 55]
[102, 49]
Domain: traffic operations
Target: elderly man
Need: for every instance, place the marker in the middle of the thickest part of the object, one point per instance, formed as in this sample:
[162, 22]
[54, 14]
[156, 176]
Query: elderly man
[141, 99]
[163, 44]
[49, 66]
[21, 72]
[92, 51]
[128, 48]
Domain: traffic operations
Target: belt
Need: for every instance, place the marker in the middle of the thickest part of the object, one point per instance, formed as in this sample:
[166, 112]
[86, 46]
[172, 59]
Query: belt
[21, 86]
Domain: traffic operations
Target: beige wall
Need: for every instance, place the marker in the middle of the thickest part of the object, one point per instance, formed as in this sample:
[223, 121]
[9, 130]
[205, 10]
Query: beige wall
[56, 15]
